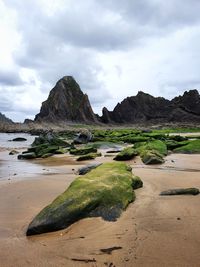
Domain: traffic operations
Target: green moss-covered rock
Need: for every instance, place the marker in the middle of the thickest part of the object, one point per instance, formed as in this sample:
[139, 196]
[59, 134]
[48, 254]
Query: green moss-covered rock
[172, 144]
[83, 150]
[89, 156]
[155, 145]
[105, 192]
[193, 147]
[137, 183]
[126, 154]
[152, 152]
[151, 157]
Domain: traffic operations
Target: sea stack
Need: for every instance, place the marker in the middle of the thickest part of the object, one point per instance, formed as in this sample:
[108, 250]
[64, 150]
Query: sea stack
[66, 102]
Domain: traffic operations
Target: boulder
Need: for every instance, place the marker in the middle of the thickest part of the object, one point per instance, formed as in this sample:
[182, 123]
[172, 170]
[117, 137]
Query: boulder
[83, 137]
[104, 192]
[83, 150]
[126, 154]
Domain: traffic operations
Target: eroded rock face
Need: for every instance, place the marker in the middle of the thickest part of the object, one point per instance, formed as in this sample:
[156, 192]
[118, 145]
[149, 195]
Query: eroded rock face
[4, 119]
[144, 107]
[66, 102]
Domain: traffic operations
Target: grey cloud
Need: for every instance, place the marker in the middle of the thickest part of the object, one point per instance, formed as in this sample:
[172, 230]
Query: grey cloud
[9, 78]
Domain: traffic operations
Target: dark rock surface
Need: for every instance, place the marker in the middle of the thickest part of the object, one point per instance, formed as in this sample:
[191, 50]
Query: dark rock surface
[144, 107]
[180, 191]
[4, 119]
[66, 102]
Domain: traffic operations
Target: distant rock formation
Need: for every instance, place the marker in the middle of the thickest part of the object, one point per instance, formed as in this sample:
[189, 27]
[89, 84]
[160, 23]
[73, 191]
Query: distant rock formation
[4, 119]
[144, 107]
[66, 102]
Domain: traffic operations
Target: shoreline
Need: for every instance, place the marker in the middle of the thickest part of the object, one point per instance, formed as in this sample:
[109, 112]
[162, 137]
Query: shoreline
[148, 233]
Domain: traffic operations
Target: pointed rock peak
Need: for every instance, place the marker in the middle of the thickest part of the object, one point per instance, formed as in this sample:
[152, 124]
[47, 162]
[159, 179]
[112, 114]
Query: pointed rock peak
[66, 102]
[193, 93]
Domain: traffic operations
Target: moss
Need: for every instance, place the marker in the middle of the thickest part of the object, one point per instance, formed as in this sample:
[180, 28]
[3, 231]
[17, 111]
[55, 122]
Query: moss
[155, 145]
[83, 150]
[152, 152]
[89, 156]
[151, 157]
[137, 183]
[104, 191]
[193, 147]
[172, 144]
[126, 154]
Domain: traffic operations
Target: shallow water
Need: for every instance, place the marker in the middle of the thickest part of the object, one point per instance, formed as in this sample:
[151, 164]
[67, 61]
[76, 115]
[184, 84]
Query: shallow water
[5, 143]
[13, 169]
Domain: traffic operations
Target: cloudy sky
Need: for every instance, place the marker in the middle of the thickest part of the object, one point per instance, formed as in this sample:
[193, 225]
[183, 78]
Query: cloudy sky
[112, 48]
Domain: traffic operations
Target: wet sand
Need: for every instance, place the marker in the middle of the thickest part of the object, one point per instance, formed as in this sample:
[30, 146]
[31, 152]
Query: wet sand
[153, 231]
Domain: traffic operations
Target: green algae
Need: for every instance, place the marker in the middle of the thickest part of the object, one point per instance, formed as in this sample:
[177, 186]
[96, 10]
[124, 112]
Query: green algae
[83, 150]
[89, 156]
[105, 191]
[193, 147]
[126, 154]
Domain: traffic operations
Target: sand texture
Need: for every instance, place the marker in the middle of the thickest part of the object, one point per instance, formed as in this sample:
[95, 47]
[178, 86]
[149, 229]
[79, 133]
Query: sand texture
[153, 231]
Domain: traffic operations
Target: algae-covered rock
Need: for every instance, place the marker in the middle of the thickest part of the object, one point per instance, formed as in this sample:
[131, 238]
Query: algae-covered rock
[152, 152]
[180, 191]
[46, 145]
[137, 183]
[105, 191]
[151, 157]
[83, 150]
[193, 147]
[83, 137]
[88, 168]
[172, 144]
[89, 156]
[126, 154]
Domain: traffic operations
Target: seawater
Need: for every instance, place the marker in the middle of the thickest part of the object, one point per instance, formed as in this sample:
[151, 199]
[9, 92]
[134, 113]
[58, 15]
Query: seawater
[12, 168]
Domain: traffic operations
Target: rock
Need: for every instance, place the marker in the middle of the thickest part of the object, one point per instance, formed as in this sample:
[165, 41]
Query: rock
[66, 102]
[30, 155]
[114, 151]
[4, 119]
[89, 156]
[88, 168]
[104, 192]
[13, 152]
[137, 183]
[152, 152]
[19, 139]
[83, 137]
[151, 157]
[126, 154]
[83, 150]
[180, 191]
[146, 108]
[192, 147]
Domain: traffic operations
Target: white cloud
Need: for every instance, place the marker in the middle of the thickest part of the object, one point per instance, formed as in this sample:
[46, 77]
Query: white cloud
[112, 48]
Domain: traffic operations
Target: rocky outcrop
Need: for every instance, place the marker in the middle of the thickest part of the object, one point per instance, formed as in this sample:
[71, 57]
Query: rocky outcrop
[66, 102]
[144, 107]
[4, 119]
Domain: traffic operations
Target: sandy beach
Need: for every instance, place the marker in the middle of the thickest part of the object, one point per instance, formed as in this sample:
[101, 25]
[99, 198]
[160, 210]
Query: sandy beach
[153, 231]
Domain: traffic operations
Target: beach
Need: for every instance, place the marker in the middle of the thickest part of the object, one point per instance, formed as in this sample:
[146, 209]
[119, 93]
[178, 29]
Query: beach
[153, 231]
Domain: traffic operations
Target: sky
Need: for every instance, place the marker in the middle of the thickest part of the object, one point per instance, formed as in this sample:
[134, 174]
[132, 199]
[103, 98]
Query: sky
[112, 48]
